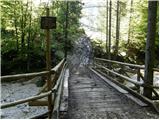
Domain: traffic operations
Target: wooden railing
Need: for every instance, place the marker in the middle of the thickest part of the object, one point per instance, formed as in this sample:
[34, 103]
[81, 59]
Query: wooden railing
[104, 63]
[57, 74]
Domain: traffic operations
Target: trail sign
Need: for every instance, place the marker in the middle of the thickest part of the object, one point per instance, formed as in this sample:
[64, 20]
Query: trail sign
[48, 22]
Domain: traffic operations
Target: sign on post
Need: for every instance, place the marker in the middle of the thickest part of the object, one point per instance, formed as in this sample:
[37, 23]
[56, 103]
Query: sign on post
[48, 22]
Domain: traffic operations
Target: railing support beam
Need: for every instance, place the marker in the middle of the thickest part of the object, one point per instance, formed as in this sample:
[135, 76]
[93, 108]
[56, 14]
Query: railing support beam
[48, 67]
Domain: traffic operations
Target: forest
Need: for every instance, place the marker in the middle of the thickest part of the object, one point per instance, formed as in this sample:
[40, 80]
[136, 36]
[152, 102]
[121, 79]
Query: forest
[129, 21]
[23, 41]
[79, 59]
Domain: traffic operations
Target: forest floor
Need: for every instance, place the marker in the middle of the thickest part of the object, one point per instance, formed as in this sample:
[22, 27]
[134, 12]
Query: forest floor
[12, 91]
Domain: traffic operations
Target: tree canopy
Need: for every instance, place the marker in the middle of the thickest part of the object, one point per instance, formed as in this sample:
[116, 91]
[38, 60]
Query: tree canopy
[22, 40]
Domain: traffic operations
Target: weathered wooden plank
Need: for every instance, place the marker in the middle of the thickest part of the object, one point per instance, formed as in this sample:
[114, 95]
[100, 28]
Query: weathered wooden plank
[64, 98]
[40, 116]
[109, 82]
[121, 63]
[97, 101]
[149, 102]
[57, 67]
[19, 76]
[126, 64]
[138, 101]
[97, 90]
[43, 89]
[58, 93]
[35, 74]
[25, 100]
[38, 103]
[122, 76]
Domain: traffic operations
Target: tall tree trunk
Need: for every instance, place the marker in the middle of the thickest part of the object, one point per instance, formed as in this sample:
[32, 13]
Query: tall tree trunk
[22, 28]
[130, 21]
[23, 25]
[29, 38]
[109, 48]
[15, 25]
[107, 26]
[117, 28]
[150, 44]
[66, 29]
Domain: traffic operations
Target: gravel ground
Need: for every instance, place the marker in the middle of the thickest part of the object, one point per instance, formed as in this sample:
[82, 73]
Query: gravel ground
[19, 90]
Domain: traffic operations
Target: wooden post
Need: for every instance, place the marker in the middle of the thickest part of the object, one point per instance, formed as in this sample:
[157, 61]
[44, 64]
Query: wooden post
[109, 46]
[138, 79]
[66, 31]
[107, 27]
[48, 67]
[149, 56]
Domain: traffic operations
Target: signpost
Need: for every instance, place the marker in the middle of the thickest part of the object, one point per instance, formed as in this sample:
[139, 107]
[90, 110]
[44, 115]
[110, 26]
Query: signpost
[48, 23]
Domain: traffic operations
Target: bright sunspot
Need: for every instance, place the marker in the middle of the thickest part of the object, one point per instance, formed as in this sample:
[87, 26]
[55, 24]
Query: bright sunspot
[37, 2]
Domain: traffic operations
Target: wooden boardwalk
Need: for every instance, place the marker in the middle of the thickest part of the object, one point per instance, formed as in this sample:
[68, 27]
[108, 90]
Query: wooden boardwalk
[91, 98]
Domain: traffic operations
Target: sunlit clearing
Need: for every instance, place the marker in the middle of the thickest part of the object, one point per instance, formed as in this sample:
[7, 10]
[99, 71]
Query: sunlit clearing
[37, 2]
[123, 53]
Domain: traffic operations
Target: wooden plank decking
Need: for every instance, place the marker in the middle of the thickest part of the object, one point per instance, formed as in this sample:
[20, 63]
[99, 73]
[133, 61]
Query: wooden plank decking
[90, 97]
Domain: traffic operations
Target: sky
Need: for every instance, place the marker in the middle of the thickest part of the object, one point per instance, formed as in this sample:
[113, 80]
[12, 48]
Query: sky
[90, 18]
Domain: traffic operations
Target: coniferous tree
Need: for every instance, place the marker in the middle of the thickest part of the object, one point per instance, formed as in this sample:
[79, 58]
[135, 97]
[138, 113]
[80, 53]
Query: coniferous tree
[150, 44]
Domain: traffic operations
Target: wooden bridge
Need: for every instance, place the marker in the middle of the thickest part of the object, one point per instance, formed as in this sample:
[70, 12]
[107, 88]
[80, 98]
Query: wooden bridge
[96, 90]
[92, 91]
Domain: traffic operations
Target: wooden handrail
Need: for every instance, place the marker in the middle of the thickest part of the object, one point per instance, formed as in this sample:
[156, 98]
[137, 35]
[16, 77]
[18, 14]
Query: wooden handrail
[25, 100]
[122, 63]
[127, 64]
[36, 96]
[59, 89]
[127, 78]
[27, 75]
[122, 76]
[156, 69]
[56, 68]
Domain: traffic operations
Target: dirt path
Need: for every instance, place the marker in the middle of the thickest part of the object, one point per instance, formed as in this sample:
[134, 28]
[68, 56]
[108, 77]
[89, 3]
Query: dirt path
[91, 99]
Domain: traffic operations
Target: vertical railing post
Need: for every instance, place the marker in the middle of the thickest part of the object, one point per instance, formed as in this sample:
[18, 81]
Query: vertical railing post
[48, 67]
[138, 79]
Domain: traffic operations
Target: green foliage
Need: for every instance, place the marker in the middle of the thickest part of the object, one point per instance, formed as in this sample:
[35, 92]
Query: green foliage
[99, 48]
[135, 49]
[23, 42]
